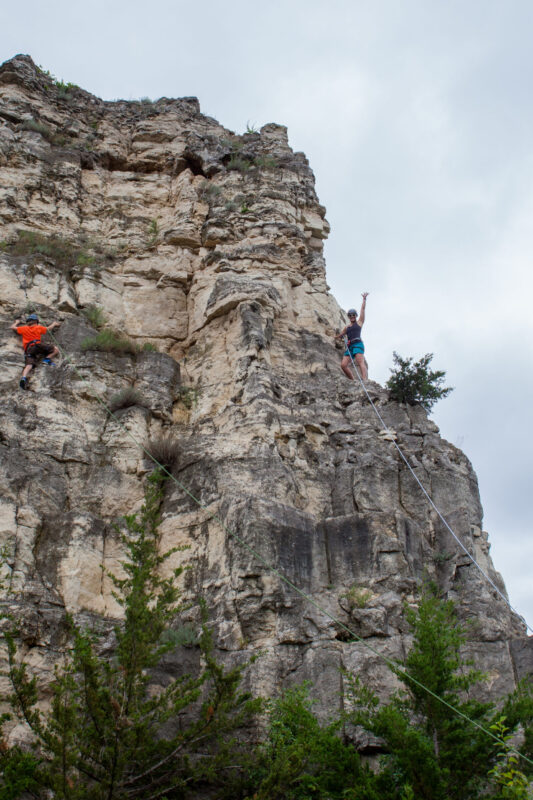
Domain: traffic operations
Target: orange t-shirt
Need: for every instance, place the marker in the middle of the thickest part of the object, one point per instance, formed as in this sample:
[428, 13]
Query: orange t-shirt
[31, 332]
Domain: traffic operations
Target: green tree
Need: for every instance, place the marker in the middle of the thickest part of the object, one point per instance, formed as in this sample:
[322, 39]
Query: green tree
[431, 750]
[110, 733]
[413, 382]
[302, 759]
[518, 710]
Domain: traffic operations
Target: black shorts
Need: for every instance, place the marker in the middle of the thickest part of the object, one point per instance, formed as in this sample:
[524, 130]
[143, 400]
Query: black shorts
[36, 351]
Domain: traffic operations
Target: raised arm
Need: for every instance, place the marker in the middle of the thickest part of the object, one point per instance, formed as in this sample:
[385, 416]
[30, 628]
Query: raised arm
[363, 308]
[15, 325]
[53, 325]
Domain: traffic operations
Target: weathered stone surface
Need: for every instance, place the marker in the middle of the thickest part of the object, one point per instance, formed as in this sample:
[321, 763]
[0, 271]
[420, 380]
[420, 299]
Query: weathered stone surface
[208, 246]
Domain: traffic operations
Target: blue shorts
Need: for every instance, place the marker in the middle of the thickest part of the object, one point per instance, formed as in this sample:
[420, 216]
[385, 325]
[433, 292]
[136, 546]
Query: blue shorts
[354, 348]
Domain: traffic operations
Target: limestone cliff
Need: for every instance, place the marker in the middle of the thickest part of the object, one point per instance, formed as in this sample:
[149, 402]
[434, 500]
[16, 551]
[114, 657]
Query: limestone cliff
[208, 246]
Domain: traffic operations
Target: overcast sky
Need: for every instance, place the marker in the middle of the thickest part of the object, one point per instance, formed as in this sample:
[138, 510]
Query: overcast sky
[417, 119]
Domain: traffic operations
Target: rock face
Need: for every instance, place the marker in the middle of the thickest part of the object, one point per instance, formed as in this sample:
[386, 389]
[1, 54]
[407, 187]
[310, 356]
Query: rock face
[208, 246]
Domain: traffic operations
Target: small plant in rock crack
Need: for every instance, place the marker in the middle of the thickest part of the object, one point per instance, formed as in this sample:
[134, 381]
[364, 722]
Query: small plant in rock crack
[441, 557]
[189, 396]
[239, 164]
[265, 162]
[165, 450]
[208, 192]
[36, 127]
[95, 315]
[126, 398]
[153, 232]
[61, 85]
[357, 597]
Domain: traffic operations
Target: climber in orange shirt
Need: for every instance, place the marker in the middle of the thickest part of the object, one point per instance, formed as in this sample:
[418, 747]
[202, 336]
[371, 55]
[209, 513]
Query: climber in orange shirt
[33, 348]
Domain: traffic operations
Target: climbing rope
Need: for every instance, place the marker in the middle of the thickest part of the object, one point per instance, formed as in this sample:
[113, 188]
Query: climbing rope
[213, 515]
[433, 506]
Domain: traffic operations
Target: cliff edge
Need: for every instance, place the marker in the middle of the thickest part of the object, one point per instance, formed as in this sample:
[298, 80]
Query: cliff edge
[205, 249]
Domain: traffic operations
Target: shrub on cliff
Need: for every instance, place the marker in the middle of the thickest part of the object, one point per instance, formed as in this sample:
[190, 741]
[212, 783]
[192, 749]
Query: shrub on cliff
[62, 252]
[110, 732]
[416, 383]
[109, 341]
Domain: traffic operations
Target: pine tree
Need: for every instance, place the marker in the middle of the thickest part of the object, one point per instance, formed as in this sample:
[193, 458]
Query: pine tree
[302, 758]
[431, 750]
[110, 734]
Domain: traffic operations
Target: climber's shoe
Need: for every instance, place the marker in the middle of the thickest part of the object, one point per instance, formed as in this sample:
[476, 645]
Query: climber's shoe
[49, 362]
[23, 383]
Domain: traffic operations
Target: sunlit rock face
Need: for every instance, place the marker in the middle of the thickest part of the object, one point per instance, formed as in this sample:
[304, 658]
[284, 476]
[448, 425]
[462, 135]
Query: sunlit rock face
[207, 246]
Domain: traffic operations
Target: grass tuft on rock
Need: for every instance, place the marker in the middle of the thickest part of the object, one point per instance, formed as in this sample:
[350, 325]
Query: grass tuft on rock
[95, 315]
[126, 398]
[64, 253]
[108, 341]
[165, 450]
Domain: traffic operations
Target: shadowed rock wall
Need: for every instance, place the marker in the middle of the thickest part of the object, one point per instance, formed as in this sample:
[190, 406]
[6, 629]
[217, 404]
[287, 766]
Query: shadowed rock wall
[208, 246]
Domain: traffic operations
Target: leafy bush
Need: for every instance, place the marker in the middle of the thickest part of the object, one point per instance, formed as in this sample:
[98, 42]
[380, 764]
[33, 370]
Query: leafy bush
[109, 341]
[511, 781]
[126, 398]
[416, 383]
[165, 450]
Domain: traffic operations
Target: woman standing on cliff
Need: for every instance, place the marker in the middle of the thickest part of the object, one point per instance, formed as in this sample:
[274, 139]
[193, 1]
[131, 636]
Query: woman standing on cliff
[356, 347]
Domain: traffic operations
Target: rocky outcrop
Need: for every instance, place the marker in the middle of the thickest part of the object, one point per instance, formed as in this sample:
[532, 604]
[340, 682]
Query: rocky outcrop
[207, 246]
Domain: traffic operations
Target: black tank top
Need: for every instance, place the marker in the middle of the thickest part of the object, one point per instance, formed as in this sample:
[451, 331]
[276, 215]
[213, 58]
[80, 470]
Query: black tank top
[353, 332]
